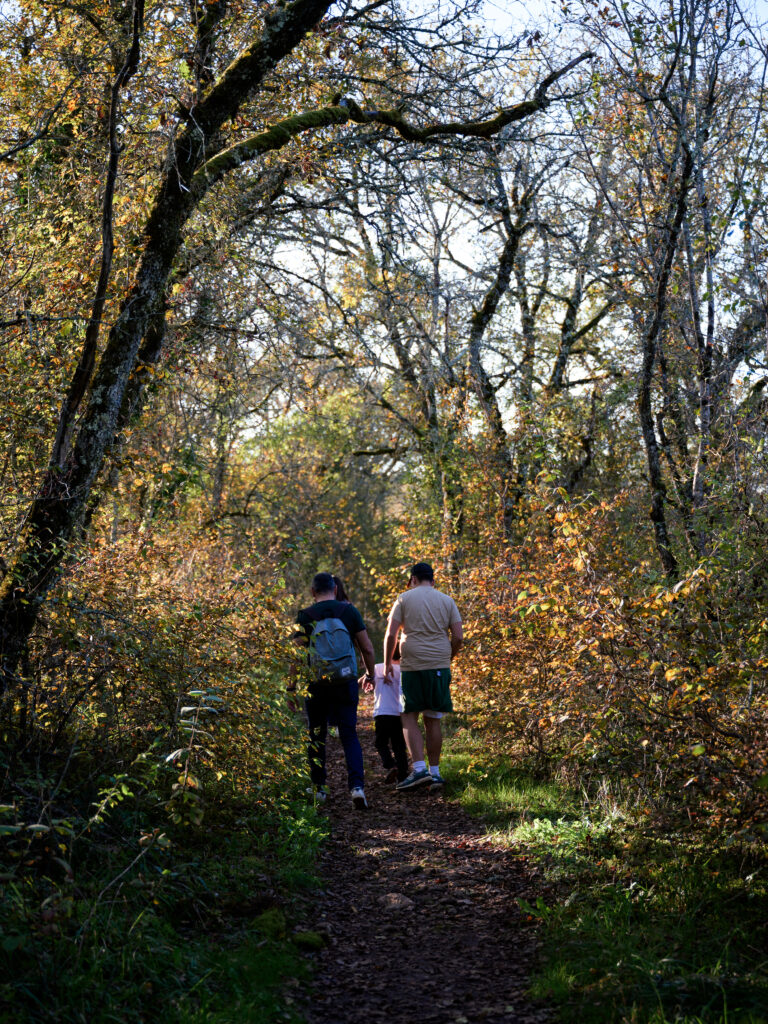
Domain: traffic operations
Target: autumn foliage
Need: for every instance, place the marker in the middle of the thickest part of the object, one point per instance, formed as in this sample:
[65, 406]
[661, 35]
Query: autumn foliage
[298, 286]
[156, 665]
[646, 692]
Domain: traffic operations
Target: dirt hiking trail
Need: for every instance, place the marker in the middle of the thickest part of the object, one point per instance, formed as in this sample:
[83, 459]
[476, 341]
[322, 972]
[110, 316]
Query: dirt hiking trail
[420, 913]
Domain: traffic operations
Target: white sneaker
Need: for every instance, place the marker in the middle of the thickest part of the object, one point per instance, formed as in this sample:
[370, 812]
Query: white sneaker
[358, 798]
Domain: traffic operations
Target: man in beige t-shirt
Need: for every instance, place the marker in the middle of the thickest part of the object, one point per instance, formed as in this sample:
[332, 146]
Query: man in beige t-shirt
[431, 636]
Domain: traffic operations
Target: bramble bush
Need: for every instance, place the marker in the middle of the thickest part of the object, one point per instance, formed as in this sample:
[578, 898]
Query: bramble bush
[149, 744]
[152, 649]
[640, 690]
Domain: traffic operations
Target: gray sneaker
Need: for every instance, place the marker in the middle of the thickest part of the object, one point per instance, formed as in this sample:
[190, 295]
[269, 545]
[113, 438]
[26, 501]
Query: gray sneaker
[420, 778]
[438, 780]
[318, 794]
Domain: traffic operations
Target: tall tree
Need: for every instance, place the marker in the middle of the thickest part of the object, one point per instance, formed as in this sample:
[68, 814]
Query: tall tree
[685, 88]
[210, 133]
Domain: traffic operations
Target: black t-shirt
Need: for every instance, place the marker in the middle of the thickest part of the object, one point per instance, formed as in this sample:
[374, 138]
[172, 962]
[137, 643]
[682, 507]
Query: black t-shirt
[332, 609]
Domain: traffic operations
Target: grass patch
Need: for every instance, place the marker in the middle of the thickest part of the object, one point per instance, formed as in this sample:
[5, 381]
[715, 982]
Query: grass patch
[245, 985]
[638, 925]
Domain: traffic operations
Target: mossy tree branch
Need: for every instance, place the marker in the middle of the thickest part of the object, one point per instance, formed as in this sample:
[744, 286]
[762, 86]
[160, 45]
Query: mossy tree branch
[281, 133]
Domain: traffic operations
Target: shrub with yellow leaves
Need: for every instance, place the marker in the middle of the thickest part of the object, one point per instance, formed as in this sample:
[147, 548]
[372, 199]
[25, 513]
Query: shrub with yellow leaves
[641, 690]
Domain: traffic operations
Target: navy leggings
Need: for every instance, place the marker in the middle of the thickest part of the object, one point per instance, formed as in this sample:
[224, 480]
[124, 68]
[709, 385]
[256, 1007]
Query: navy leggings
[389, 731]
[334, 705]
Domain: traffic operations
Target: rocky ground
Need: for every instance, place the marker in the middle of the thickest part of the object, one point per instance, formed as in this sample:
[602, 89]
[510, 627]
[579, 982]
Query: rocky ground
[420, 912]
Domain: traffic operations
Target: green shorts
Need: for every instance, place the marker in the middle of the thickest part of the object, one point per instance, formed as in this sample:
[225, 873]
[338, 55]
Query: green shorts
[427, 690]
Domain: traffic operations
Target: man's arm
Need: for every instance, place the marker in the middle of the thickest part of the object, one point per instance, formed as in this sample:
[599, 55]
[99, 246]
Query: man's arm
[390, 640]
[457, 638]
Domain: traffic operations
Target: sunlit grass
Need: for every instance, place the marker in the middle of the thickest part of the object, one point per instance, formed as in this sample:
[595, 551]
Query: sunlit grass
[502, 795]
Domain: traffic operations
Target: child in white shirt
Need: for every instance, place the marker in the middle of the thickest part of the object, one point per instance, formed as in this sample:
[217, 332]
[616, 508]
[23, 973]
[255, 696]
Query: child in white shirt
[387, 706]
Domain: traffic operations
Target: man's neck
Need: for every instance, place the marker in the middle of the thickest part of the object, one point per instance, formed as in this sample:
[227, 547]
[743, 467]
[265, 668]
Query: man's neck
[331, 596]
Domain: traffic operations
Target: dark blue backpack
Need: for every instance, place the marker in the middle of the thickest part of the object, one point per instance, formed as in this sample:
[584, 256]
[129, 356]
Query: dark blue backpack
[332, 655]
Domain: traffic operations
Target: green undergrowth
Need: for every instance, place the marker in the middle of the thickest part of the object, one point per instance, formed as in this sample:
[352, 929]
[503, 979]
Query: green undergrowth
[639, 923]
[199, 931]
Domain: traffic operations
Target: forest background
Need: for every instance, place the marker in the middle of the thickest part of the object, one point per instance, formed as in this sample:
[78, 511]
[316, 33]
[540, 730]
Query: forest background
[304, 286]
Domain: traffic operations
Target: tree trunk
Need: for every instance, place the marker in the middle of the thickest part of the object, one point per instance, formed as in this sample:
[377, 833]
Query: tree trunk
[66, 489]
[649, 349]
